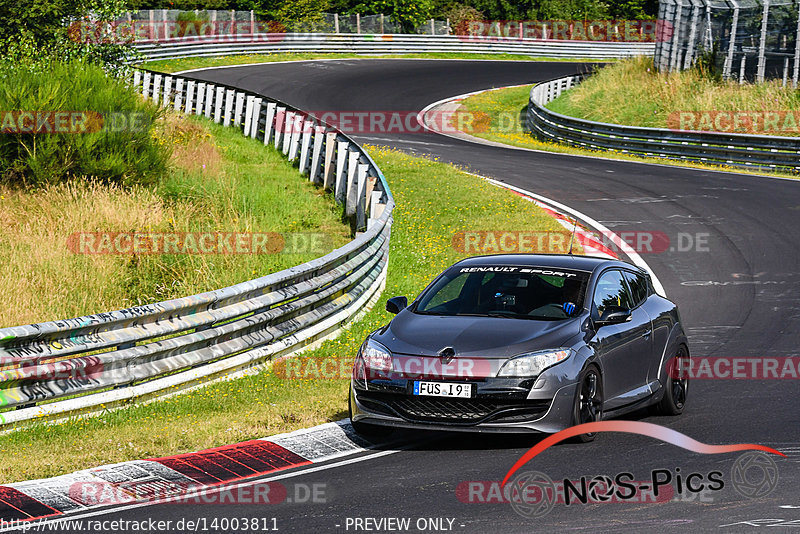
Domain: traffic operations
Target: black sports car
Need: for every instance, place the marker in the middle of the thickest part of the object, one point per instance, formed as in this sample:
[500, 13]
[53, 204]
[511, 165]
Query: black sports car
[521, 342]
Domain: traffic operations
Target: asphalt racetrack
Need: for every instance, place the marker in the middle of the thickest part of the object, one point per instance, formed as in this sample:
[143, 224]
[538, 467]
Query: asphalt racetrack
[739, 294]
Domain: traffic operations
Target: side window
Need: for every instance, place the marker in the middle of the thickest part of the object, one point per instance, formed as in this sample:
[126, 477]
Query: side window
[639, 287]
[610, 294]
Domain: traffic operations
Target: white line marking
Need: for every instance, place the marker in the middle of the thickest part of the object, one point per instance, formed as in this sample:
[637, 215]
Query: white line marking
[206, 490]
[480, 141]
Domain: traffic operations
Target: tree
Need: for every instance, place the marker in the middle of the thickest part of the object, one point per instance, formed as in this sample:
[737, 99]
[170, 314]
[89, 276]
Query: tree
[407, 13]
[36, 31]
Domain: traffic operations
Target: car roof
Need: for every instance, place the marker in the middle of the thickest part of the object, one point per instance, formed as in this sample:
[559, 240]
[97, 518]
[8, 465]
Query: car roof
[564, 261]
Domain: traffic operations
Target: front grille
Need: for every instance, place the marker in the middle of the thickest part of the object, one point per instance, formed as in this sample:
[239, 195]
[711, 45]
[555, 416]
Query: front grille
[452, 411]
[444, 409]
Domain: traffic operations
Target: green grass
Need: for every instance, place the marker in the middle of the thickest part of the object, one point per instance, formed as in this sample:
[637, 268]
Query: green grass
[496, 117]
[96, 140]
[176, 65]
[219, 181]
[631, 92]
[434, 201]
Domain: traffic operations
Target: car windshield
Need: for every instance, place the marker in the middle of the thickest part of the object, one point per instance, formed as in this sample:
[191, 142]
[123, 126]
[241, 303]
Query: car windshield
[542, 293]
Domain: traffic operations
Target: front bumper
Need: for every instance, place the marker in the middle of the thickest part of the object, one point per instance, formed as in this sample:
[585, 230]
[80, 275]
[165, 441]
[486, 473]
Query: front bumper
[482, 413]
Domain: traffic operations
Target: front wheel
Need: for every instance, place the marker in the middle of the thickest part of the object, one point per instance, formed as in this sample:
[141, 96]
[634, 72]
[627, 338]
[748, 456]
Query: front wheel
[588, 406]
[676, 386]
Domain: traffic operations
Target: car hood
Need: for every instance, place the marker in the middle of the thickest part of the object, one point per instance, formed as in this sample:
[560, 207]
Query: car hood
[484, 337]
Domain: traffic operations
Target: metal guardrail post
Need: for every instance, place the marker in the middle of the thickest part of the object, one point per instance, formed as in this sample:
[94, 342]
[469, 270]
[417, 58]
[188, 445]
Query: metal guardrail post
[218, 98]
[178, 95]
[288, 131]
[339, 190]
[156, 88]
[351, 187]
[741, 68]
[201, 98]
[270, 121]
[762, 43]
[237, 112]
[189, 104]
[728, 65]
[305, 145]
[280, 120]
[256, 119]
[329, 176]
[167, 96]
[796, 69]
[676, 39]
[689, 57]
[210, 91]
[316, 155]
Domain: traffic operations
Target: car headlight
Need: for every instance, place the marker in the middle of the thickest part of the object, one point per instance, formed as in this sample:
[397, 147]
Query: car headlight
[376, 356]
[533, 363]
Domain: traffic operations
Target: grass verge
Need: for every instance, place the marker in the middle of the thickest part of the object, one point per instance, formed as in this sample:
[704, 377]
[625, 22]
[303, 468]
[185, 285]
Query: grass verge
[176, 65]
[219, 181]
[434, 201]
[631, 92]
[497, 116]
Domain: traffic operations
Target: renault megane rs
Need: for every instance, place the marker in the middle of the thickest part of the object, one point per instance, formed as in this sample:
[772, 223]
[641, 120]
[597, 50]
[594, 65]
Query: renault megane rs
[522, 343]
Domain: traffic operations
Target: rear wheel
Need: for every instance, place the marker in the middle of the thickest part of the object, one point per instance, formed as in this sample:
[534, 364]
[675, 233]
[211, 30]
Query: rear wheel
[365, 429]
[588, 406]
[676, 386]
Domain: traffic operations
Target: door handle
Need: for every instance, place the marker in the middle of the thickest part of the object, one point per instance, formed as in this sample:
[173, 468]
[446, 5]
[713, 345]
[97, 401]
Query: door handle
[647, 333]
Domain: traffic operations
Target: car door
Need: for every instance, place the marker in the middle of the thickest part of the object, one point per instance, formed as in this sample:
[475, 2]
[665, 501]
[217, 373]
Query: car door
[624, 348]
[660, 320]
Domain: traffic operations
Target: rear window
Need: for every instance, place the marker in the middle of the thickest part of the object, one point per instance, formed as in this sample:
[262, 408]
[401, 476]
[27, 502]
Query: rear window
[517, 292]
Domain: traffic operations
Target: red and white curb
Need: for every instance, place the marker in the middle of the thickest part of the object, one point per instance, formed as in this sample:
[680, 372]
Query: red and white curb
[174, 477]
[592, 243]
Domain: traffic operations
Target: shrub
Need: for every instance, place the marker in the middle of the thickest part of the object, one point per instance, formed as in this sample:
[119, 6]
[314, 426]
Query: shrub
[111, 148]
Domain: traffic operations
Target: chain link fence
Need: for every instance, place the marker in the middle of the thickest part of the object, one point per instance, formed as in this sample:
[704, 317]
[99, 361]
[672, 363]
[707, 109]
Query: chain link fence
[229, 22]
[744, 40]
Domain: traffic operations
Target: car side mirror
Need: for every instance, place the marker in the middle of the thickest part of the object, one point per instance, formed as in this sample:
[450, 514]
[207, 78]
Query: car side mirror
[614, 317]
[396, 304]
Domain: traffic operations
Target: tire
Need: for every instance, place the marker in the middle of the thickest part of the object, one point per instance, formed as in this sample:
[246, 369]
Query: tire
[588, 405]
[674, 399]
[365, 429]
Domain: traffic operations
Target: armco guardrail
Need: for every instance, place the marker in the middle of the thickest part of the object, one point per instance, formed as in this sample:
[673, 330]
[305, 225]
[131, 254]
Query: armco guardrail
[717, 148]
[144, 351]
[385, 44]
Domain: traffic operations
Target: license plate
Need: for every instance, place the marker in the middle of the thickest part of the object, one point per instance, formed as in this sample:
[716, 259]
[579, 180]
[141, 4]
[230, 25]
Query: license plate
[442, 389]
